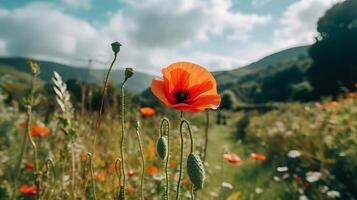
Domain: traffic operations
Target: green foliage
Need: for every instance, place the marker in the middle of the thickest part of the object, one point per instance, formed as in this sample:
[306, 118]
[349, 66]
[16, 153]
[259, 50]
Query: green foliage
[228, 101]
[334, 53]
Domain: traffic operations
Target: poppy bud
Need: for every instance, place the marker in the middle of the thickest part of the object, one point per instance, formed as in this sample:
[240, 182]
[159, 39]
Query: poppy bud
[129, 72]
[195, 170]
[121, 193]
[116, 47]
[162, 147]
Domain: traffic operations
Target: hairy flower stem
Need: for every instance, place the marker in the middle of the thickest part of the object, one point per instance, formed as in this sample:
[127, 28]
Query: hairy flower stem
[104, 94]
[162, 130]
[142, 161]
[183, 121]
[90, 156]
[122, 113]
[206, 137]
[37, 173]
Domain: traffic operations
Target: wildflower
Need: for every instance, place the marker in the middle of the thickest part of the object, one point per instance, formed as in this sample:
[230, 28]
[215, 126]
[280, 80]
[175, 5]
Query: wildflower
[29, 165]
[232, 158]
[282, 169]
[235, 196]
[294, 154]
[147, 111]
[40, 130]
[187, 87]
[258, 190]
[313, 176]
[111, 168]
[227, 185]
[258, 156]
[130, 173]
[100, 176]
[333, 194]
[28, 190]
[84, 157]
[152, 170]
[303, 197]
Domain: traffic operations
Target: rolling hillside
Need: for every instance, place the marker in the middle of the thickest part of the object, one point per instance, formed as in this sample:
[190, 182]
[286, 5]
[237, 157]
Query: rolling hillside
[141, 80]
[277, 77]
[291, 54]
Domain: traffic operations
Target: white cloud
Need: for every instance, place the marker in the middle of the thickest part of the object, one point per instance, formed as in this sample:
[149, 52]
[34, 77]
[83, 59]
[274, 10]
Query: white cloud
[299, 22]
[151, 37]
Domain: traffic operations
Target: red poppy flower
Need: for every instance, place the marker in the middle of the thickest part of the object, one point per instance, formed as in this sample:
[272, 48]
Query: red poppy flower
[28, 190]
[100, 176]
[130, 173]
[40, 130]
[258, 156]
[147, 111]
[152, 170]
[187, 87]
[232, 158]
[28, 165]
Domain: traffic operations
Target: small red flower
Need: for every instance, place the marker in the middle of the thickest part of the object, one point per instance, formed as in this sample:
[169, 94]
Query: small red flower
[28, 190]
[147, 111]
[40, 130]
[100, 176]
[130, 173]
[152, 170]
[258, 156]
[28, 165]
[232, 158]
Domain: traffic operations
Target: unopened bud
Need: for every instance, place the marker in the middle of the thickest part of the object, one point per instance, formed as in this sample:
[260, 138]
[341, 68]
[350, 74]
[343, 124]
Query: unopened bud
[116, 47]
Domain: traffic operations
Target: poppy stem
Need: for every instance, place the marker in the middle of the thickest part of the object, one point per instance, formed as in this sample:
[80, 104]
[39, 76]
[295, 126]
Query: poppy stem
[167, 187]
[183, 121]
[123, 184]
[142, 161]
[90, 157]
[104, 94]
[206, 137]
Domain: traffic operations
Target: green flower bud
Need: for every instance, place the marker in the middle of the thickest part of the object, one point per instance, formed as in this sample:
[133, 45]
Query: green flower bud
[162, 147]
[129, 72]
[116, 47]
[196, 171]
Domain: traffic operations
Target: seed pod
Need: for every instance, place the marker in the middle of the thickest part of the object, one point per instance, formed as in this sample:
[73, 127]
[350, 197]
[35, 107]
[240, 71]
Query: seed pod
[195, 170]
[121, 193]
[162, 147]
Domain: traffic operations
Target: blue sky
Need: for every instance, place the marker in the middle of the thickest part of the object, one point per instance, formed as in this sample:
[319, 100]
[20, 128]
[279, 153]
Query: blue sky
[219, 34]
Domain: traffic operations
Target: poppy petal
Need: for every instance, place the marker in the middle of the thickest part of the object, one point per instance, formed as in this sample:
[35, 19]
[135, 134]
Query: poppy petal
[157, 88]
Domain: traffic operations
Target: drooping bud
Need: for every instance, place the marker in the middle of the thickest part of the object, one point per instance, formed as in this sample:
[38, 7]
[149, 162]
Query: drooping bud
[162, 147]
[116, 47]
[129, 72]
[195, 170]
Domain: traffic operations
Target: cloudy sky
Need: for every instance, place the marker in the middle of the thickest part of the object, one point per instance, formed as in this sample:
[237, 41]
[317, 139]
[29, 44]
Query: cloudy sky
[219, 34]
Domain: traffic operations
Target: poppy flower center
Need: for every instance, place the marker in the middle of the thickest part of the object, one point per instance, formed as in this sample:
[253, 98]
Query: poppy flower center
[181, 95]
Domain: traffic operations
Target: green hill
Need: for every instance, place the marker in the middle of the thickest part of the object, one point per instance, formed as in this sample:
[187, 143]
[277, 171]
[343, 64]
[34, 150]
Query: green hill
[139, 82]
[277, 77]
[292, 54]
